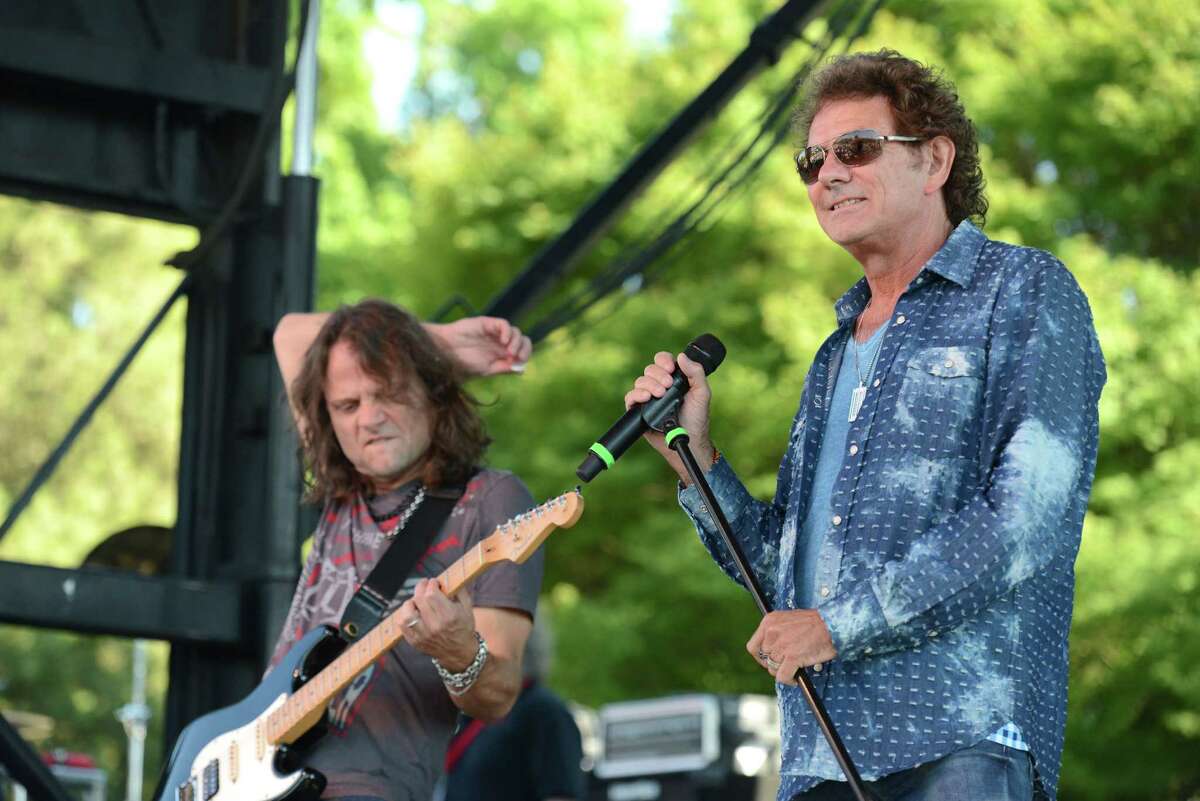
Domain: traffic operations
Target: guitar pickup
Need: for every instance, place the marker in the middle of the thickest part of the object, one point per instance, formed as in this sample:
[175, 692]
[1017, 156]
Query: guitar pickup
[212, 779]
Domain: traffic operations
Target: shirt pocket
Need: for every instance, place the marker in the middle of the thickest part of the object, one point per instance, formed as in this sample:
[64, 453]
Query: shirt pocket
[940, 399]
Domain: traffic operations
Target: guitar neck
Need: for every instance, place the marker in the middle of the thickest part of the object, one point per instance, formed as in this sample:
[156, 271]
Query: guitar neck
[514, 541]
[302, 710]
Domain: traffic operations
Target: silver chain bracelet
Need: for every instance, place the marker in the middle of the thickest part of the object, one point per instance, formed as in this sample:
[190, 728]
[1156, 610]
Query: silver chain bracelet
[459, 683]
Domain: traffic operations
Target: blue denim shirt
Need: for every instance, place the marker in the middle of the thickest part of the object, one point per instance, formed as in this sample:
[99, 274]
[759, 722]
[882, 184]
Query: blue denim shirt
[946, 577]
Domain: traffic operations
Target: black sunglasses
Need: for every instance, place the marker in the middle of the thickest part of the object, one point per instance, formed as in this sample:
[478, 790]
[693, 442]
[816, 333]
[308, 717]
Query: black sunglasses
[854, 149]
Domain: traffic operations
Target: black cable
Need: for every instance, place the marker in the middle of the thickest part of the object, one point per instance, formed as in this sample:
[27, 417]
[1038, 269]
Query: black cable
[655, 256]
[684, 224]
[752, 129]
[621, 269]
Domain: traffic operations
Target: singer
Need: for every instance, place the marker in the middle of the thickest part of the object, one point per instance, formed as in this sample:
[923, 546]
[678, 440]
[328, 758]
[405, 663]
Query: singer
[920, 547]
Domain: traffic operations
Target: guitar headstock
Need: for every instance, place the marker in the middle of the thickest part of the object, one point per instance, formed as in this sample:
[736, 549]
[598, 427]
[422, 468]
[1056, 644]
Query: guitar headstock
[517, 539]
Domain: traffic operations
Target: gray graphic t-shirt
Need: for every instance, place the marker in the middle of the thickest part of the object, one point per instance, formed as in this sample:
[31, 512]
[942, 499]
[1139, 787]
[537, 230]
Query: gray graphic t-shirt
[389, 727]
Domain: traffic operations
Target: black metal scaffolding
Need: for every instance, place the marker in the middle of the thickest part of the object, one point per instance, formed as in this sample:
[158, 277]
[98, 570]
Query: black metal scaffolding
[169, 109]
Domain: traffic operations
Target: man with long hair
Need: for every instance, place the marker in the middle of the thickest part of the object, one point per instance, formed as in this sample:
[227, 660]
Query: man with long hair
[384, 422]
[920, 547]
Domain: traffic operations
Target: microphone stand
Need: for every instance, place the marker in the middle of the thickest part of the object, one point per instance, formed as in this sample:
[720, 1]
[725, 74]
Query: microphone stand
[677, 440]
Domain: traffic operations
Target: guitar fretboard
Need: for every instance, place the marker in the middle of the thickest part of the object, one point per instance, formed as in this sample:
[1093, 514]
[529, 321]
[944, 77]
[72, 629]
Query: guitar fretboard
[298, 714]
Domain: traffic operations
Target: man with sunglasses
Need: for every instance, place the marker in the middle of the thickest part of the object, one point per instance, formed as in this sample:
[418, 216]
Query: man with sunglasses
[921, 542]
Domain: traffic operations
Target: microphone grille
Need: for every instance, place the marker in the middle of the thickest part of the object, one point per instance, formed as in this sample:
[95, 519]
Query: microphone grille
[707, 350]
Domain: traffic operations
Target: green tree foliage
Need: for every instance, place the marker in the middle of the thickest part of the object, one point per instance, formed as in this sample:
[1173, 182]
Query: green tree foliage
[522, 111]
[79, 683]
[75, 291]
[1087, 115]
[1103, 90]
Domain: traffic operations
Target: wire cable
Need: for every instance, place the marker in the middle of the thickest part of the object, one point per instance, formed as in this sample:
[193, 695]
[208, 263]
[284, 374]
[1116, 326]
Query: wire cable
[650, 258]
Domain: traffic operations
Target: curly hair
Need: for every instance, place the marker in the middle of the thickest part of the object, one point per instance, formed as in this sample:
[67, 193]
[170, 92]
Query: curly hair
[923, 103]
[392, 347]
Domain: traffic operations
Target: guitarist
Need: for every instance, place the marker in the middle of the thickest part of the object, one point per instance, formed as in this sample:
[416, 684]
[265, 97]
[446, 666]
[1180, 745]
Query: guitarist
[384, 424]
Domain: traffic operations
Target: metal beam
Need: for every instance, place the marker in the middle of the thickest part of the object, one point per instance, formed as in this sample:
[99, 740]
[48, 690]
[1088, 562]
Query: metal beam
[117, 107]
[186, 78]
[74, 146]
[98, 601]
[174, 115]
[239, 479]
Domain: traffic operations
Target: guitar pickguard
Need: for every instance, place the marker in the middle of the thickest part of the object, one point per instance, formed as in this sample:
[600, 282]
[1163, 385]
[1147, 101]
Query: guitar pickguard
[226, 756]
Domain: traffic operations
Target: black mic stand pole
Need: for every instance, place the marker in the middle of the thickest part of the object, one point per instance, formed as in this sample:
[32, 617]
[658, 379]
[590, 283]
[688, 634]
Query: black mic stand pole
[677, 440]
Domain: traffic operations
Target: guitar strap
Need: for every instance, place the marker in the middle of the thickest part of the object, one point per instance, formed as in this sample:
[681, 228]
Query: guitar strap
[367, 605]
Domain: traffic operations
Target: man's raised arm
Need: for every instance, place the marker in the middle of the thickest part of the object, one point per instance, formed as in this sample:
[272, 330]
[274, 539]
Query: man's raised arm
[482, 345]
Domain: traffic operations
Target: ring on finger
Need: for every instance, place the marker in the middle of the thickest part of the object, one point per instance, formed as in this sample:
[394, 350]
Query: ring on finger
[412, 622]
[771, 663]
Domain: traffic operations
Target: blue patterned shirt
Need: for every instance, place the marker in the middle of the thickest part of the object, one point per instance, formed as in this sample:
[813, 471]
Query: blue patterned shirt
[946, 577]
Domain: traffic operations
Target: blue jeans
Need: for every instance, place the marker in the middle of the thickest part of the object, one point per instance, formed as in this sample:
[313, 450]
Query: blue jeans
[986, 771]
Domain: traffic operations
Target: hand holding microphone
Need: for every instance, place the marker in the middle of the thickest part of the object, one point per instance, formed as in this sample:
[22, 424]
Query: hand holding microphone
[655, 382]
[654, 397]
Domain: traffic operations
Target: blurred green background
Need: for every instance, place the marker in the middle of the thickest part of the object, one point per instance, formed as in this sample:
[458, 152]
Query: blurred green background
[518, 112]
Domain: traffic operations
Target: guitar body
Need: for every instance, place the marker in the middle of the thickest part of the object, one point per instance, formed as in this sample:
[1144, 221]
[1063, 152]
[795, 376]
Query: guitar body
[225, 755]
[254, 750]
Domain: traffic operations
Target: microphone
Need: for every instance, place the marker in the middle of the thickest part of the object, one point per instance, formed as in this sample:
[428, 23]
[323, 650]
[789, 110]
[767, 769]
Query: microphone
[705, 349]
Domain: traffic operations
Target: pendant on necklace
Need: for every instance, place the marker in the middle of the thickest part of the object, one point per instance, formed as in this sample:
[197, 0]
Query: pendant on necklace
[857, 396]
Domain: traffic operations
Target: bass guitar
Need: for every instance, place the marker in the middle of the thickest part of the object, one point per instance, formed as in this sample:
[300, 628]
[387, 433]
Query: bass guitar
[253, 750]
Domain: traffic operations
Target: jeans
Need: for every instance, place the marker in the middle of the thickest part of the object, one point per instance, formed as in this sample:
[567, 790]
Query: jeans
[986, 771]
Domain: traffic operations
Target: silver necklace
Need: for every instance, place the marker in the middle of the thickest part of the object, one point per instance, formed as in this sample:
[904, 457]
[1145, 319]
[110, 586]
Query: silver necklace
[859, 394]
[408, 513]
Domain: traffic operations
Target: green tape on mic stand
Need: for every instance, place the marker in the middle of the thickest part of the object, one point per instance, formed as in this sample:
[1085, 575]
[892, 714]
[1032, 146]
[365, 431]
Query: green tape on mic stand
[603, 453]
[675, 432]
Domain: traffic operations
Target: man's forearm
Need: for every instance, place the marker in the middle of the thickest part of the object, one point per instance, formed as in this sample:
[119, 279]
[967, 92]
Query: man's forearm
[494, 692]
[293, 336]
[756, 525]
[496, 688]
[705, 454]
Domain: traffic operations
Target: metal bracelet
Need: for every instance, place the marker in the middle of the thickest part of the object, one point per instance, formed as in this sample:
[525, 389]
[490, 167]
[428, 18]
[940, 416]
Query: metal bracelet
[459, 683]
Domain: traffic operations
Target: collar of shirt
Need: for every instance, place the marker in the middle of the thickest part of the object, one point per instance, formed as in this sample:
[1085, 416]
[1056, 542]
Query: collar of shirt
[954, 261]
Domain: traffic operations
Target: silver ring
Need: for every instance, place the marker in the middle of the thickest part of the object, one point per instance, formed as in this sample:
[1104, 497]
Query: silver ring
[412, 623]
[772, 664]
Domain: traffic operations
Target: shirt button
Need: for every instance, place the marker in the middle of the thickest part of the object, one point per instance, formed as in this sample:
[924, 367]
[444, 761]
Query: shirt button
[949, 363]
[900, 320]
[876, 383]
[824, 592]
[933, 634]
[853, 449]
[817, 667]
[868, 650]
[837, 520]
